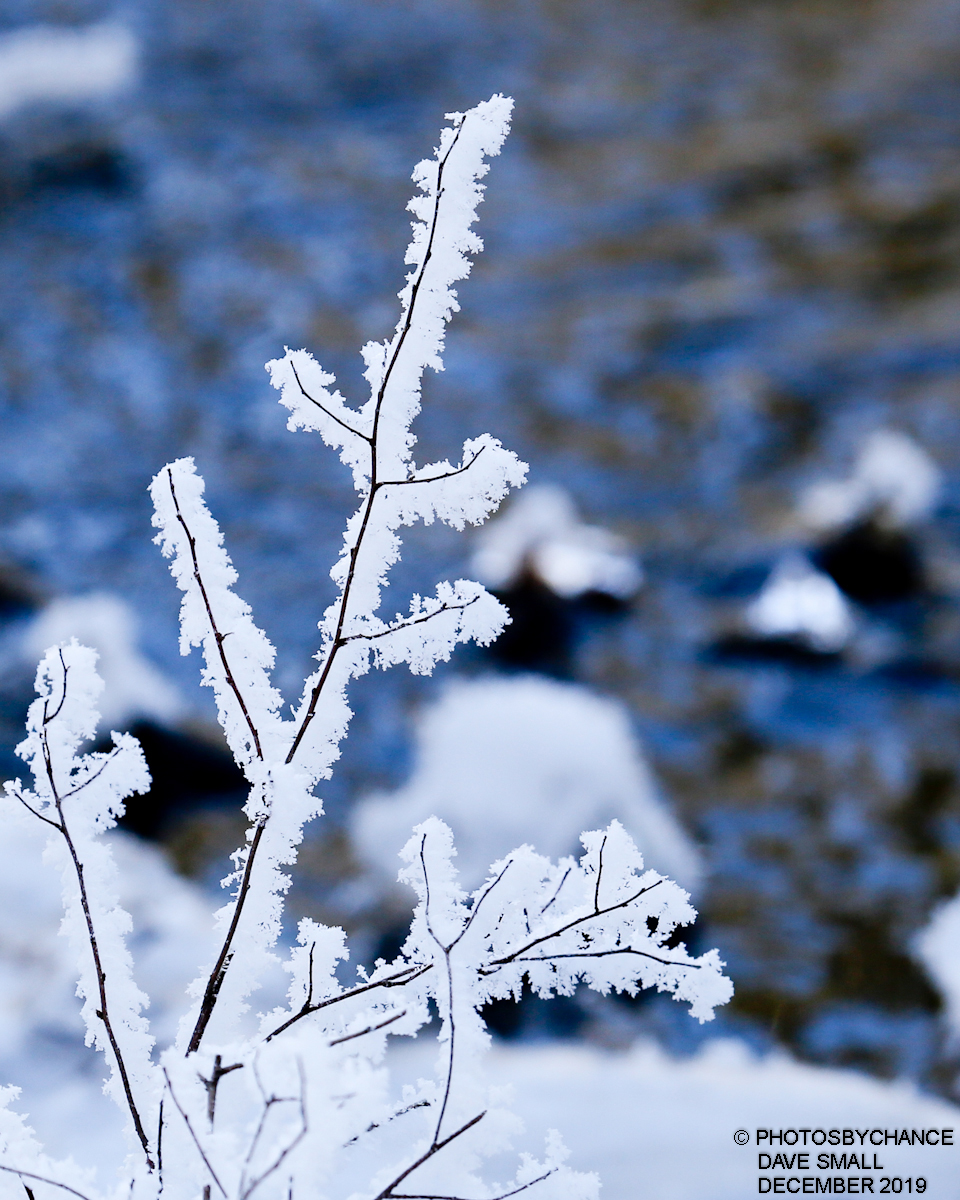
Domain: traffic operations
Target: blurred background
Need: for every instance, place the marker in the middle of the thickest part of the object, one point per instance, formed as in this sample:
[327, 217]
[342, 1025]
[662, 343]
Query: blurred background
[717, 313]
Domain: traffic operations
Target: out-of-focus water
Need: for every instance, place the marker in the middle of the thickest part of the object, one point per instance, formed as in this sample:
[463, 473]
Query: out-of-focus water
[722, 249]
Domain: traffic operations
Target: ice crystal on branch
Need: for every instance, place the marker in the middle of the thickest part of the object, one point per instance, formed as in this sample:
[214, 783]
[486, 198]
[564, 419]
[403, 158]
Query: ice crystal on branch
[304, 1106]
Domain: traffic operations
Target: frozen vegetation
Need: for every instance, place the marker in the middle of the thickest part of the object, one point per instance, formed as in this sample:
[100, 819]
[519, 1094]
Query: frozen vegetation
[303, 1105]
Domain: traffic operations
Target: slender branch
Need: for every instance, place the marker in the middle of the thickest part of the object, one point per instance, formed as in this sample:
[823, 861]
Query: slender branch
[407, 975]
[369, 1029]
[434, 1148]
[103, 1012]
[17, 794]
[408, 624]
[43, 1179]
[434, 478]
[596, 891]
[48, 717]
[503, 1195]
[220, 967]
[446, 958]
[557, 892]
[213, 1083]
[196, 1140]
[598, 912]
[304, 1126]
[401, 337]
[333, 416]
[96, 775]
[476, 908]
[219, 637]
[667, 962]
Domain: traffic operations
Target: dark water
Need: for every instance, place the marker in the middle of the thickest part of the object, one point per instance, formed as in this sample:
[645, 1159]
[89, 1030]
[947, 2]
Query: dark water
[722, 248]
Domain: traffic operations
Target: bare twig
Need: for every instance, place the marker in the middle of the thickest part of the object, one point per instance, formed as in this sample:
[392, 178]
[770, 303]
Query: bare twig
[597, 912]
[434, 478]
[246, 1192]
[213, 1083]
[348, 1037]
[375, 486]
[103, 1012]
[333, 416]
[408, 624]
[190, 1130]
[42, 1179]
[503, 1195]
[434, 1148]
[407, 975]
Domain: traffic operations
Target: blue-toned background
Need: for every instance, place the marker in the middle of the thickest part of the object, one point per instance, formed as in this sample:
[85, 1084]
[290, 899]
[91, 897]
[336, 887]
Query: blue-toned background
[722, 249]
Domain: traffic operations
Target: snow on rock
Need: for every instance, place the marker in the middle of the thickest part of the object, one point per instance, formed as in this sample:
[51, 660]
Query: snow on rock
[892, 477]
[508, 761]
[937, 948]
[50, 63]
[133, 686]
[542, 532]
[652, 1125]
[800, 602]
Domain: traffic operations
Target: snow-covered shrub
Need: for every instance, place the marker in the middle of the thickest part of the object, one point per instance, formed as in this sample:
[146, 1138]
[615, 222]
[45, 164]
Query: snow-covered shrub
[304, 1107]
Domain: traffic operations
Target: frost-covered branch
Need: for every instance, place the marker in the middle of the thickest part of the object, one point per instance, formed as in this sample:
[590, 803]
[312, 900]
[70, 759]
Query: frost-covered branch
[257, 1116]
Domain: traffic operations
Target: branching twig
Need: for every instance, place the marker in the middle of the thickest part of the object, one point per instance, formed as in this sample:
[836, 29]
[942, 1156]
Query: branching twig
[434, 1148]
[43, 1179]
[333, 416]
[103, 1012]
[190, 1130]
[348, 1037]
[407, 624]
[407, 975]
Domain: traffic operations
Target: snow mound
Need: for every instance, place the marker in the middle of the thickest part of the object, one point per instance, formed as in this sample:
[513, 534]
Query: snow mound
[59, 64]
[525, 760]
[798, 601]
[542, 532]
[652, 1125]
[892, 477]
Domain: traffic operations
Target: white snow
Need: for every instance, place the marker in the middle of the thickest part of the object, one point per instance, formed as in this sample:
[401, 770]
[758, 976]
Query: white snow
[62, 64]
[798, 601]
[892, 476]
[133, 686]
[652, 1125]
[541, 531]
[937, 948]
[507, 761]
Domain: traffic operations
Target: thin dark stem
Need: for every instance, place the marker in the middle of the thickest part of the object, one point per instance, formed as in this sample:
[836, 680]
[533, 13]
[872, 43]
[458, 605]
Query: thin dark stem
[503, 1195]
[369, 1029]
[43, 1179]
[218, 974]
[557, 892]
[196, 1140]
[219, 637]
[375, 486]
[103, 1012]
[333, 416]
[407, 975]
[304, 1126]
[446, 958]
[19, 796]
[434, 1148]
[598, 912]
[48, 717]
[96, 775]
[213, 1083]
[596, 892]
[444, 607]
[667, 962]
[435, 478]
[476, 908]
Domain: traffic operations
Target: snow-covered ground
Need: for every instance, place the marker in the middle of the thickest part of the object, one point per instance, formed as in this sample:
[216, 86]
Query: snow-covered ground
[658, 1127]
